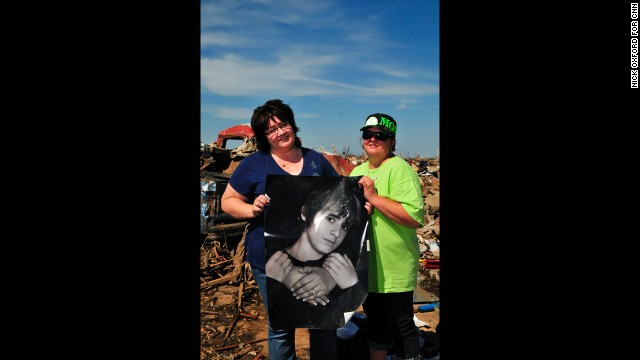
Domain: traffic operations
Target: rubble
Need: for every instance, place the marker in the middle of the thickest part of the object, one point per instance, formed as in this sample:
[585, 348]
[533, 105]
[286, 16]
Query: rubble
[231, 306]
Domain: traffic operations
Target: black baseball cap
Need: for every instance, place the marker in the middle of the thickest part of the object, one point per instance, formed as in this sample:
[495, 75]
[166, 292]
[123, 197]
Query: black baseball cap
[381, 121]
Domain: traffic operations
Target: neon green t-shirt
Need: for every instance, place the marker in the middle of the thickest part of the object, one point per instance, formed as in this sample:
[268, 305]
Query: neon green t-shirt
[394, 250]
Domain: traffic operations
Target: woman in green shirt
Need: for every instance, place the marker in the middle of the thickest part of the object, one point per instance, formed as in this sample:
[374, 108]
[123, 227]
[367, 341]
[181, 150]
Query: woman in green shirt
[393, 188]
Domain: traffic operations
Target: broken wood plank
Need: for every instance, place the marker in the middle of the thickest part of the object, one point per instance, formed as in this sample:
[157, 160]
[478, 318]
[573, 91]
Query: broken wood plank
[206, 164]
[209, 312]
[249, 316]
[233, 324]
[237, 345]
[229, 277]
[240, 291]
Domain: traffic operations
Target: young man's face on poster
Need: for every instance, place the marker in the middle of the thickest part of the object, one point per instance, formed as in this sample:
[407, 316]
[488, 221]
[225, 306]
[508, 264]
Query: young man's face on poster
[327, 231]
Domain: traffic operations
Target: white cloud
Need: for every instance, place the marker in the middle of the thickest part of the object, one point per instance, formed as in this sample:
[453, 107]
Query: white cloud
[233, 113]
[294, 75]
[223, 39]
[304, 48]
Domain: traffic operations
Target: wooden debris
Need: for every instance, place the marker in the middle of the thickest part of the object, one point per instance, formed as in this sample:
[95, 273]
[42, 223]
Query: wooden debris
[243, 314]
[233, 324]
[209, 312]
[238, 345]
[240, 291]
[238, 266]
[206, 164]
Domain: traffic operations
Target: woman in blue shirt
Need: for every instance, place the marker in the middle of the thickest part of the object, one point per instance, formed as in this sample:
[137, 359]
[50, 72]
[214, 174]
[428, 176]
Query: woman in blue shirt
[280, 153]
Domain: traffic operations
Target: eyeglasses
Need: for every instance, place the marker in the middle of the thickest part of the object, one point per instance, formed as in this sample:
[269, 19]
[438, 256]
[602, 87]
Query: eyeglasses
[272, 130]
[378, 135]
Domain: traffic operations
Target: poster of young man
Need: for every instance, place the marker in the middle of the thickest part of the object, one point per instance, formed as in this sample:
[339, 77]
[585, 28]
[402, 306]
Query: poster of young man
[316, 232]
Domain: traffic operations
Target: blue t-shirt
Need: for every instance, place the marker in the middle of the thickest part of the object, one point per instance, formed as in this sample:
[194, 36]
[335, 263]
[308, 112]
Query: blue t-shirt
[249, 180]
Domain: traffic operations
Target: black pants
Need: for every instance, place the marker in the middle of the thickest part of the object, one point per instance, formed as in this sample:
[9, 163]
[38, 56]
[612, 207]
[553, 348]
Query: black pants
[323, 344]
[391, 321]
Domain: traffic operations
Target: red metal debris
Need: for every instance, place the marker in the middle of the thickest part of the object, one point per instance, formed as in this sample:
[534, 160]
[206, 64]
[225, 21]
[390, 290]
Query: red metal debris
[234, 132]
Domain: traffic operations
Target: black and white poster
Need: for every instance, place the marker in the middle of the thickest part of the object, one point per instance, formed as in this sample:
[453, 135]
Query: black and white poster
[316, 234]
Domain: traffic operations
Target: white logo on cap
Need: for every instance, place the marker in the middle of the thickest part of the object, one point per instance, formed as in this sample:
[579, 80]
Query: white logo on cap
[371, 121]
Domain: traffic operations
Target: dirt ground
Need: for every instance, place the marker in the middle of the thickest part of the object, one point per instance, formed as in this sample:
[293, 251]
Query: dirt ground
[247, 337]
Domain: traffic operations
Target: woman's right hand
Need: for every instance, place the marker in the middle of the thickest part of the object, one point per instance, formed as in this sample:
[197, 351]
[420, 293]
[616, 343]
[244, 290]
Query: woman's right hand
[238, 205]
[259, 204]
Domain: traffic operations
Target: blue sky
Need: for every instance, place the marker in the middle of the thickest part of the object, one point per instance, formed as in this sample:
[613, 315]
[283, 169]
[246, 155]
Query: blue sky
[334, 62]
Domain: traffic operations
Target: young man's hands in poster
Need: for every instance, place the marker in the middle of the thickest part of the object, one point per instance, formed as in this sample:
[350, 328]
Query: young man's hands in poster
[312, 284]
[341, 270]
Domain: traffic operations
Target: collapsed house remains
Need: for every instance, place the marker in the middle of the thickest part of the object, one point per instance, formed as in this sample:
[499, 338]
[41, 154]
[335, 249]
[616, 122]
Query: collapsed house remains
[229, 293]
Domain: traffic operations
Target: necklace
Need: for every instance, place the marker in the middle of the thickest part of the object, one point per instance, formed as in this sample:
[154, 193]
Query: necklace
[283, 164]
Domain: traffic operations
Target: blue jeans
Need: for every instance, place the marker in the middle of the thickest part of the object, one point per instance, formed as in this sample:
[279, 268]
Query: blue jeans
[323, 344]
[281, 343]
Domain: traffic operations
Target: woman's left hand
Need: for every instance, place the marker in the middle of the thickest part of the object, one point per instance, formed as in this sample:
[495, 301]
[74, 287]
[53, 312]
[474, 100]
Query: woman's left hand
[368, 187]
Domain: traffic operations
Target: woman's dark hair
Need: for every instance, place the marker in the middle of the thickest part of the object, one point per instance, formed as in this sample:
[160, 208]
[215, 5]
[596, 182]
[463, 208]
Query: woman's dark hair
[262, 115]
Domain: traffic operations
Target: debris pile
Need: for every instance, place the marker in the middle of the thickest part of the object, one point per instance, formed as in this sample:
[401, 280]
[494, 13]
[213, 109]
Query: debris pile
[233, 318]
[229, 296]
[429, 235]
